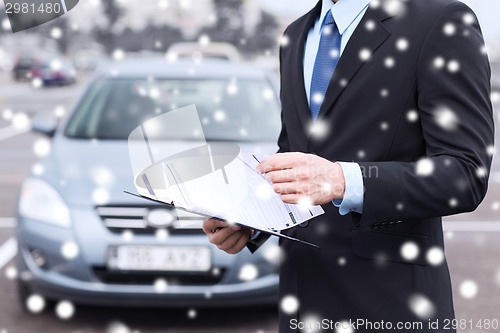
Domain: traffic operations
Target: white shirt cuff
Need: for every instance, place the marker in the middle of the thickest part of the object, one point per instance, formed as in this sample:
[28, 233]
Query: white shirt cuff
[354, 189]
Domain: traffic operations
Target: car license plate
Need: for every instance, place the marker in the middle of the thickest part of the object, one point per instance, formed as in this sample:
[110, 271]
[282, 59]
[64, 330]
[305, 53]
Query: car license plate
[160, 258]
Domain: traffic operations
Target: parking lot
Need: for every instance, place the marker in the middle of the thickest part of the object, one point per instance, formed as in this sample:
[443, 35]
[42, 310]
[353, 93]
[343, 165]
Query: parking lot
[472, 240]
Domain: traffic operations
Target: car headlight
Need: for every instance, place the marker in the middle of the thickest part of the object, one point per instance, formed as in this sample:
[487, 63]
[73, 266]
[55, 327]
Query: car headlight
[41, 202]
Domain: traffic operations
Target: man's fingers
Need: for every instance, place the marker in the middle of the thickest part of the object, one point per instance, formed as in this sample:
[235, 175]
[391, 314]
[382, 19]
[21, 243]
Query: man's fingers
[286, 188]
[291, 198]
[212, 224]
[240, 244]
[229, 242]
[283, 176]
[292, 188]
[221, 235]
[281, 162]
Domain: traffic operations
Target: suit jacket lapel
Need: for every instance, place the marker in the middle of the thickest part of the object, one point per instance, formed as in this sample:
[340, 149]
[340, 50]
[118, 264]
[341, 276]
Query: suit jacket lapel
[363, 42]
[302, 106]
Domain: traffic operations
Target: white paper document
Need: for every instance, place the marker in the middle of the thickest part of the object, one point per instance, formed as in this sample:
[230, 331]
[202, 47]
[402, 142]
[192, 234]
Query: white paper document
[235, 192]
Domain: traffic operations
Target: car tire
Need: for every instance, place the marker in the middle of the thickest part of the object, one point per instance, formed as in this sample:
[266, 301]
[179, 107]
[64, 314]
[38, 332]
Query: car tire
[24, 292]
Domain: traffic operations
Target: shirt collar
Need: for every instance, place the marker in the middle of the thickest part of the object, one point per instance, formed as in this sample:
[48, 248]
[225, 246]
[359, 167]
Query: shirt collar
[344, 12]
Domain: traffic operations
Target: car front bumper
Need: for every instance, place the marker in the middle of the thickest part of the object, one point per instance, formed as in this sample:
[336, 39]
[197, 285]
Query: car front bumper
[74, 279]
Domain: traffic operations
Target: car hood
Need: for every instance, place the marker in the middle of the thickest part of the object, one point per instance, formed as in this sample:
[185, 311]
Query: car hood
[85, 172]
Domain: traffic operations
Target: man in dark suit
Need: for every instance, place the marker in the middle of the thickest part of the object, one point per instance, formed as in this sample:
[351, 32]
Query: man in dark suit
[387, 123]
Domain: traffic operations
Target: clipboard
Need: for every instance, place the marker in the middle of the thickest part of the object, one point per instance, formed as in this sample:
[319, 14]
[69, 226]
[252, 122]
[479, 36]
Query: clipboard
[270, 232]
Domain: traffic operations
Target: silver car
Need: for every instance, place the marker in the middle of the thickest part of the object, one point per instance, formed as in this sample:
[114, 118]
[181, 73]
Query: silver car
[76, 224]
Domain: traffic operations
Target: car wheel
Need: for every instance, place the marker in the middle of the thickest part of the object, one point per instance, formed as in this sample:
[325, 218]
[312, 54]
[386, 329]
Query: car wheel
[24, 292]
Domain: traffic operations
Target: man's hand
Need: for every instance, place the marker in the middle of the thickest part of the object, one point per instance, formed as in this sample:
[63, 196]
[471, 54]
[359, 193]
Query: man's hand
[304, 178]
[229, 238]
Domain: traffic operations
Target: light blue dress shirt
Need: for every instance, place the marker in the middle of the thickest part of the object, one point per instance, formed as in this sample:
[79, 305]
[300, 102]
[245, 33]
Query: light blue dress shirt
[347, 15]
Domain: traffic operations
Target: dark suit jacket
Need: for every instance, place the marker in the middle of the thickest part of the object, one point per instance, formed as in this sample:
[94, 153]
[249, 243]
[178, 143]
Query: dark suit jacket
[359, 272]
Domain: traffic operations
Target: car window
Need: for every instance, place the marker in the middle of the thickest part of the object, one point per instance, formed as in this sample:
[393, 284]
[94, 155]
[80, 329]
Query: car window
[235, 110]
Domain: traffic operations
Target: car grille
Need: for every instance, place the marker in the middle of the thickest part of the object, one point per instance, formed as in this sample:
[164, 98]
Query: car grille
[148, 278]
[118, 218]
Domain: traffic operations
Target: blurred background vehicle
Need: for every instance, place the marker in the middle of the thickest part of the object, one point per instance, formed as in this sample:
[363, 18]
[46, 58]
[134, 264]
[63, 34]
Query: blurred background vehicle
[27, 60]
[23, 66]
[53, 71]
[82, 239]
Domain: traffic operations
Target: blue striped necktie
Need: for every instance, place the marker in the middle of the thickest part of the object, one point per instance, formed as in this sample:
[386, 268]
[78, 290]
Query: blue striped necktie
[325, 64]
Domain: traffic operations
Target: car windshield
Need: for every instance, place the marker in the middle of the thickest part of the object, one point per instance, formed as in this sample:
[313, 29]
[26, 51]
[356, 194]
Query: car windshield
[232, 109]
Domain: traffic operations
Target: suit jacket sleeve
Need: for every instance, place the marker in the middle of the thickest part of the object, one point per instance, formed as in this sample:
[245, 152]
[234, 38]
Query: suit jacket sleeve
[457, 123]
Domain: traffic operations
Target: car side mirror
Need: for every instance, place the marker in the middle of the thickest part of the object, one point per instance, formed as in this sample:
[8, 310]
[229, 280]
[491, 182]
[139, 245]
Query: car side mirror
[45, 123]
